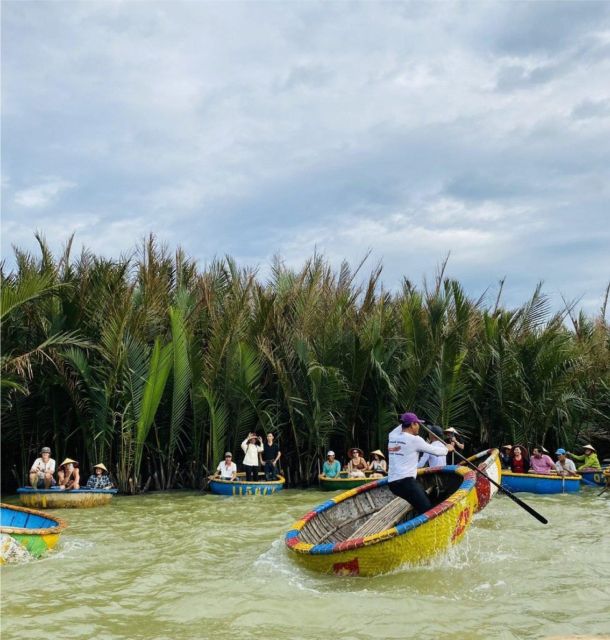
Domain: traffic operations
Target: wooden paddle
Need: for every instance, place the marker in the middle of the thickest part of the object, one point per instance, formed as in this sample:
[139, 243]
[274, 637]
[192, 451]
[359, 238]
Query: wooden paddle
[506, 492]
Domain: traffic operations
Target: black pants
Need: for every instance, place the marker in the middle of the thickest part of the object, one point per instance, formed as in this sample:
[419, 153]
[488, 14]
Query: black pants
[410, 490]
[251, 473]
[270, 470]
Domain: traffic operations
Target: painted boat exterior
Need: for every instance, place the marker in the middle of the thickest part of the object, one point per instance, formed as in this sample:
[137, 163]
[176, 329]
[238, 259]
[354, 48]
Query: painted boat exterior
[539, 483]
[27, 533]
[58, 499]
[411, 542]
[594, 477]
[241, 487]
[342, 483]
[489, 463]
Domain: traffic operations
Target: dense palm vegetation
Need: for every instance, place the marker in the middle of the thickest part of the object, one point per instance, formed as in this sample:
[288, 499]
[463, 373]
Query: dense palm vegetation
[155, 367]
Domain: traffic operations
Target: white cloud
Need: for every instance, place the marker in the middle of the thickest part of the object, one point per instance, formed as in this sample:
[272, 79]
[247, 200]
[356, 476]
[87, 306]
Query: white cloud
[43, 194]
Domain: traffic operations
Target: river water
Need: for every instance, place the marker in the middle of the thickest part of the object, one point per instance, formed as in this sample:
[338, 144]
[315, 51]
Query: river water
[183, 566]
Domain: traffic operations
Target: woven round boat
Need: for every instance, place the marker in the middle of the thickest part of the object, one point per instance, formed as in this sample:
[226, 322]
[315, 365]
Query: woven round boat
[27, 533]
[368, 531]
[241, 487]
[343, 482]
[540, 483]
[594, 477]
[58, 499]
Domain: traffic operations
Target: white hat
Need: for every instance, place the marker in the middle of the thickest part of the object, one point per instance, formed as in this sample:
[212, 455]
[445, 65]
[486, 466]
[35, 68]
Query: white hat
[330, 453]
[451, 430]
[589, 446]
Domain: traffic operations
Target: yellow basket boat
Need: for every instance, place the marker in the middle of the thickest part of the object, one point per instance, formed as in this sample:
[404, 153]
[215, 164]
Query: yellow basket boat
[368, 531]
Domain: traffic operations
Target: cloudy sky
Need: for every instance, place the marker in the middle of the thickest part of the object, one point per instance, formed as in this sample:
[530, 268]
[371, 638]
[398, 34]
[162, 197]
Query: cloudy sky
[409, 129]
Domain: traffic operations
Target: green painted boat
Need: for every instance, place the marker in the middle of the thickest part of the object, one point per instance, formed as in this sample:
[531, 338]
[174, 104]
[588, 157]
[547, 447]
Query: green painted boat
[343, 482]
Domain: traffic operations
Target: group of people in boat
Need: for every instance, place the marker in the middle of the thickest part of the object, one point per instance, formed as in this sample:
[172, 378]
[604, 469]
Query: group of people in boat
[42, 474]
[516, 459]
[257, 454]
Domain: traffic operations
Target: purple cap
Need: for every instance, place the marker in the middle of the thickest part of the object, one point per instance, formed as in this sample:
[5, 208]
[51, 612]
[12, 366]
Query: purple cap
[408, 418]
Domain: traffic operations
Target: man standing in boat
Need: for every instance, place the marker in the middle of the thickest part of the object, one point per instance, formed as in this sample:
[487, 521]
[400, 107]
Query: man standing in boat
[404, 447]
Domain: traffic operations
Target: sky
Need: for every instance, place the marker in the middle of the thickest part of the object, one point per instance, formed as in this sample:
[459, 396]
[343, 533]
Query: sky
[410, 130]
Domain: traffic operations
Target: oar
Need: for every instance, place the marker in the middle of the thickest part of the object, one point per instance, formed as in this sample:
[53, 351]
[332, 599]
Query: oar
[602, 491]
[506, 492]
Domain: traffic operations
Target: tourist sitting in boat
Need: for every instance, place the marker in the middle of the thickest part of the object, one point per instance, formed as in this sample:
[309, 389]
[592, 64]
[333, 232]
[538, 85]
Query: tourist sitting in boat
[540, 462]
[41, 472]
[271, 455]
[564, 466]
[451, 437]
[435, 438]
[505, 456]
[378, 465]
[331, 468]
[588, 458]
[100, 479]
[68, 475]
[404, 447]
[226, 469]
[357, 464]
[518, 460]
[251, 450]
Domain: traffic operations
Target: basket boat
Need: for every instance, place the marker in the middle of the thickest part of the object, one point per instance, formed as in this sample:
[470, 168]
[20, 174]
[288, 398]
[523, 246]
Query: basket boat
[594, 477]
[343, 482]
[241, 487]
[59, 499]
[368, 531]
[26, 533]
[540, 483]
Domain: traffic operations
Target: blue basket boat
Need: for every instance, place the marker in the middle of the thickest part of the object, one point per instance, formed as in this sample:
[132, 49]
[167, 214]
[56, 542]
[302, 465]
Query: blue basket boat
[593, 477]
[241, 487]
[539, 483]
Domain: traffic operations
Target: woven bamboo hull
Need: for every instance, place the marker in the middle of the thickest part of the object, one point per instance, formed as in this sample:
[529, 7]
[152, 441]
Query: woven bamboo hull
[27, 533]
[342, 484]
[408, 543]
[538, 483]
[58, 499]
[240, 487]
[593, 477]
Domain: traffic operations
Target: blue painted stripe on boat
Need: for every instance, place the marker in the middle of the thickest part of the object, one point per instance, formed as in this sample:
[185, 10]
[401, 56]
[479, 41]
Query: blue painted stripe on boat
[322, 549]
[325, 505]
[411, 524]
[24, 520]
[293, 533]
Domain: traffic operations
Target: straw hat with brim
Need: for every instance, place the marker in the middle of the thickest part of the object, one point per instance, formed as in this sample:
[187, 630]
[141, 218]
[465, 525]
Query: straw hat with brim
[377, 453]
[351, 451]
[590, 447]
[506, 446]
[100, 465]
[451, 430]
[68, 461]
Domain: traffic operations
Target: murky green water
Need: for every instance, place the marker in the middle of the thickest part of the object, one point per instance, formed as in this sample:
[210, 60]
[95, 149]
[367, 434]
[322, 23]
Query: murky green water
[185, 566]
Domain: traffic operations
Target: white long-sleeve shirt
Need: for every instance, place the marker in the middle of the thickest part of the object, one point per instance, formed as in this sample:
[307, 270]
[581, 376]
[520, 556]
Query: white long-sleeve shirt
[251, 451]
[433, 460]
[404, 449]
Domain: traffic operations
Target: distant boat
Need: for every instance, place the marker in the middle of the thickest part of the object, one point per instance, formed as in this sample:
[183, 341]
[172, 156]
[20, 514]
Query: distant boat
[65, 499]
[27, 533]
[594, 477]
[343, 482]
[241, 487]
[368, 531]
[540, 483]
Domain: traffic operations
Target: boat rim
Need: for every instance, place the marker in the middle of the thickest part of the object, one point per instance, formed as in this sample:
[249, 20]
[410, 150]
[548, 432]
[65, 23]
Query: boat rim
[280, 480]
[545, 476]
[292, 541]
[66, 492]
[58, 528]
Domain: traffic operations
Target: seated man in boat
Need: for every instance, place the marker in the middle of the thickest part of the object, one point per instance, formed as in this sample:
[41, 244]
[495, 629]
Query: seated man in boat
[68, 475]
[589, 458]
[378, 466]
[435, 438]
[271, 455]
[226, 469]
[404, 447]
[41, 473]
[540, 462]
[331, 468]
[505, 456]
[100, 479]
[251, 450]
[357, 464]
[564, 466]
